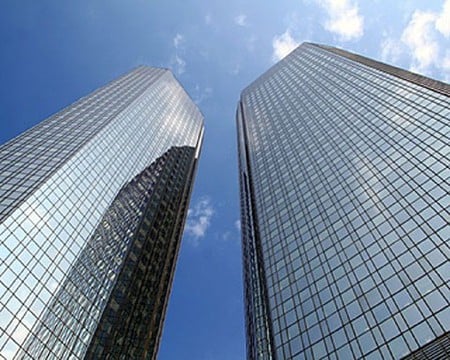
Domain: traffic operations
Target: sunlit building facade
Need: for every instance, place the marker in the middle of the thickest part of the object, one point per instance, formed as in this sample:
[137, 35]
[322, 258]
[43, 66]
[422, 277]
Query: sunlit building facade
[344, 176]
[92, 206]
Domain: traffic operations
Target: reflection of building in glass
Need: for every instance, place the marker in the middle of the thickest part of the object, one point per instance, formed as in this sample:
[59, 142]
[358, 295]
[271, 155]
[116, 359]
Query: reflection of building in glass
[90, 231]
[344, 170]
[120, 282]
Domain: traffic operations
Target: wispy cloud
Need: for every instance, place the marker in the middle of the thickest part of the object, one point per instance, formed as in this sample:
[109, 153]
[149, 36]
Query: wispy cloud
[344, 19]
[422, 35]
[419, 37]
[391, 49]
[282, 45]
[208, 19]
[443, 20]
[233, 235]
[177, 62]
[241, 20]
[201, 94]
[250, 42]
[236, 69]
[199, 219]
[423, 40]
[446, 62]
[237, 225]
[178, 40]
[226, 236]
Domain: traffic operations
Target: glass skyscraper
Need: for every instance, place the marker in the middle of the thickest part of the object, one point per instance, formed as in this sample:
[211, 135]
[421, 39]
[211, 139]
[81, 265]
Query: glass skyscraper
[344, 181]
[92, 206]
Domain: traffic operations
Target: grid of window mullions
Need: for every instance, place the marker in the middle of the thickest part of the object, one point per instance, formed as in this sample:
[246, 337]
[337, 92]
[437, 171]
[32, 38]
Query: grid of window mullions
[65, 197]
[335, 78]
[87, 105]
[370, 171]
[393, 145]
[387, 136]
[66, 332]
[58, 130]
[380, 77]
[353, 84]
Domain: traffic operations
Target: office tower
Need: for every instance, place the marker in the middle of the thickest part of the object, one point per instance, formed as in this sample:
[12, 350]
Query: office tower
[344, 175]
[92, 206]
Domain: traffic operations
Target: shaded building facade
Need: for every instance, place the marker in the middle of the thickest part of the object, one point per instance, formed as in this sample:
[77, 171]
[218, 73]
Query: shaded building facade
[93, 207]
[344, 182]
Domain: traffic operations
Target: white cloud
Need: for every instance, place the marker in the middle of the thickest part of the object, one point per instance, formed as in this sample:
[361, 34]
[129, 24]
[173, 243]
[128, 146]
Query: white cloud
[443, 20]
[391, 49]
[237, 225]
[236, 69]
[250, 42]
[446, 66]
[424, 40]
[177, 62]
[419, 37]
[446, 61]
[178, 40]
[226, 236]
[282, 45]
[241, 20]
[344, 19]
[208, 19]
[201, 95]
[199, 219]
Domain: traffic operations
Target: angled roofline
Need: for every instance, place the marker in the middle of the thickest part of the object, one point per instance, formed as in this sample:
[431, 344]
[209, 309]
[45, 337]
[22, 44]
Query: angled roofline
[424, 81]
[420, 80]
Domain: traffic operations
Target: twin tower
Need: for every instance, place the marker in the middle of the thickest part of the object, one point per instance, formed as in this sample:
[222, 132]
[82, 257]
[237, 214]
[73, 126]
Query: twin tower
[344, 167]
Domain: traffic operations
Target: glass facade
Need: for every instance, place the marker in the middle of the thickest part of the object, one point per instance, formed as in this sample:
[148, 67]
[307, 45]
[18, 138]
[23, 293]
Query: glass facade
[92, 205]
[344, 173]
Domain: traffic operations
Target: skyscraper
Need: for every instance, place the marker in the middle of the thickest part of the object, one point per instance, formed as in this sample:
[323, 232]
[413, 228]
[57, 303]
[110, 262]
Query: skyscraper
[92, 206]
[344, 181]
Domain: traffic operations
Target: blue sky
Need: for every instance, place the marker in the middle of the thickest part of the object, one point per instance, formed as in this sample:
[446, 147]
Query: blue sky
[54, 52]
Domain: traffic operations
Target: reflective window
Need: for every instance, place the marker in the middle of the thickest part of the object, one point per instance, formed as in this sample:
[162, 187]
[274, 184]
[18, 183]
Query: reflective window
[345, 172]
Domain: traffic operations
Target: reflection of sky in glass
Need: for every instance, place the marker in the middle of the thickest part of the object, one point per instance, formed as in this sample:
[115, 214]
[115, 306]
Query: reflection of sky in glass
[349, 168]
[41, 238]
[73, 314]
